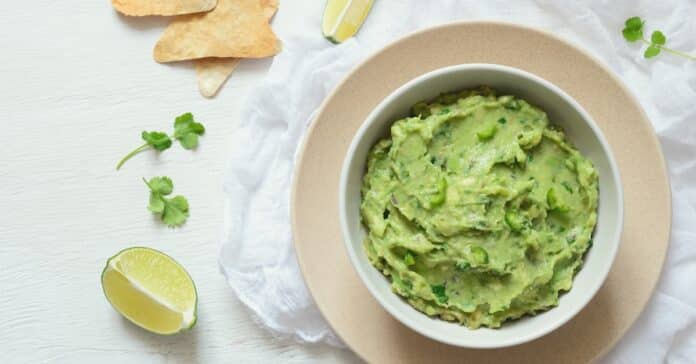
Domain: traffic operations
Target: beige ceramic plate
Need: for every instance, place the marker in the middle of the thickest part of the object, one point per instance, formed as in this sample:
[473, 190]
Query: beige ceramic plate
[350, 309]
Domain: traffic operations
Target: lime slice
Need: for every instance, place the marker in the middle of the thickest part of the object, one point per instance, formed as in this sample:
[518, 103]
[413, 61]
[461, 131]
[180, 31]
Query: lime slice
[151, 290]
[343, 18]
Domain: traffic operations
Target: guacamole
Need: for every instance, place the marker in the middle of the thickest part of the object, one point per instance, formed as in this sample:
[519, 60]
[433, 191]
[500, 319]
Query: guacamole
[478, 210]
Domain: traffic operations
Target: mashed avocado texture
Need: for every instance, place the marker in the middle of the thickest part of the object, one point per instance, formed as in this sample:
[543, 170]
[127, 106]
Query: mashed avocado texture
[477, 209]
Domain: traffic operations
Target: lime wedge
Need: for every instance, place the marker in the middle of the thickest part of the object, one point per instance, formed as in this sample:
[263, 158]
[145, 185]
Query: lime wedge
[151, 290]
[343, 18]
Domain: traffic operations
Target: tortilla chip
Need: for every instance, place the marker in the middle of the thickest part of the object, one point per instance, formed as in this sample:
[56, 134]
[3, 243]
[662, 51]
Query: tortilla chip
[235, 28]
[162, 7]
[213, 72]
[269, 8]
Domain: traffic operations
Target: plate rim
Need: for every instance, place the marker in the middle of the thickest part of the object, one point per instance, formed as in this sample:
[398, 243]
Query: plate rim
[299, 157]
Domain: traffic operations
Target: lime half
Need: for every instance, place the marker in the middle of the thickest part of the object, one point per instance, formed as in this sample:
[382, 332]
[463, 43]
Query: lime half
[151, 290]
[343, 18]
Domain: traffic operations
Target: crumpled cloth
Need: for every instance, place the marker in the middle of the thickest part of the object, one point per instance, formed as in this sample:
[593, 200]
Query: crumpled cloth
[257, 255]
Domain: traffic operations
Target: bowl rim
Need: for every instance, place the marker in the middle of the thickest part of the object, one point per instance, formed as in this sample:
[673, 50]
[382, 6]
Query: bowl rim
[354, 259]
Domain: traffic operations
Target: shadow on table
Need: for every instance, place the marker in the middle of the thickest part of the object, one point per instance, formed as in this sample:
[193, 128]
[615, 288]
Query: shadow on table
[179, 348]
[144, 22]
[320, 352]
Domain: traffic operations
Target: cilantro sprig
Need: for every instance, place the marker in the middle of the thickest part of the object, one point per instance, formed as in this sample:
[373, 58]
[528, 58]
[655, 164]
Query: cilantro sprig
[633, 32]
[186, 131]
[173, 211]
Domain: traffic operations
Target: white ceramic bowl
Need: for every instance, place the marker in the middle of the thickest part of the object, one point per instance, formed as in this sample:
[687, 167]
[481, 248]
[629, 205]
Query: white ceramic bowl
[563, 111]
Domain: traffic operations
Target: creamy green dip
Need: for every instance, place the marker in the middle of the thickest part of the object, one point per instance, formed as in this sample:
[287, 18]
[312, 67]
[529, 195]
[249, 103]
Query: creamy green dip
[477, 209]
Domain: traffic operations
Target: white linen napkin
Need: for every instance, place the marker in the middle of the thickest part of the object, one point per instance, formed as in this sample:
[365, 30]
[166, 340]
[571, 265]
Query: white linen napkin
[257, 255]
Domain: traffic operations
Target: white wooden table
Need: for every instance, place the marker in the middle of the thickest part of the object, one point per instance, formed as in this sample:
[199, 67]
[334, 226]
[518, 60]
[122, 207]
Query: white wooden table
[77, 86]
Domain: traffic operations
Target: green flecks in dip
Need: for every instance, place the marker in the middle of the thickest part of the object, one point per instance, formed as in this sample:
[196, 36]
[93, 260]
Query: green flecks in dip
[477, 209]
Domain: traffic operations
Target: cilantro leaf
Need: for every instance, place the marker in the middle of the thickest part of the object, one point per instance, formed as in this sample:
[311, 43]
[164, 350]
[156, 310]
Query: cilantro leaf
[187, 130]
[157, 140]
[566, 185]
[156, 204]
[651, 51]
[634, 22]
[439, 292]
[658, 38]
[173, 211]
[632, 35]
[633, 31]
[162, 185]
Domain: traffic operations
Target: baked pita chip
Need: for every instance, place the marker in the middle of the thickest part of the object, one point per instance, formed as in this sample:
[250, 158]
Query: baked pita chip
[213, 72]
[162, 7]
[235, 28]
